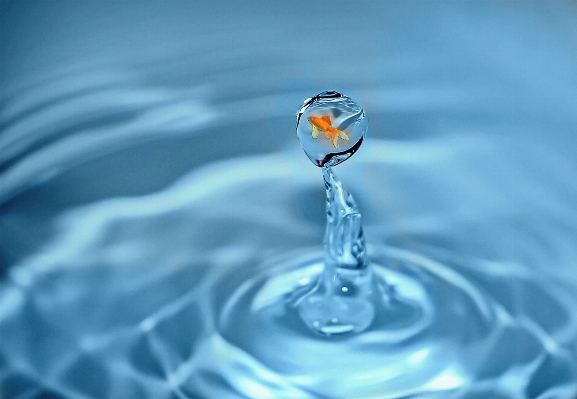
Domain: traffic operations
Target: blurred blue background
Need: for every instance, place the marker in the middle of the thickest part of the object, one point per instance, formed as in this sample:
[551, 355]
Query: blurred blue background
[108, 107]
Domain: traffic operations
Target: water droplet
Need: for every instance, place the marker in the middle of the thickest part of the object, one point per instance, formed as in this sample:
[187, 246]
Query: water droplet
[342, 299]
[330, 127]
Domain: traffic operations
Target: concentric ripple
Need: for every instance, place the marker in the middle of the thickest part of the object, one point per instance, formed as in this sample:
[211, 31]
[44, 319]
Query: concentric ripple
[187, 292]
[436, 336]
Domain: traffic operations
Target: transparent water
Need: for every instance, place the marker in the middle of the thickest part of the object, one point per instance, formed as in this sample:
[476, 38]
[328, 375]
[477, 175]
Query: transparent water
[330, 127]
[156, 203]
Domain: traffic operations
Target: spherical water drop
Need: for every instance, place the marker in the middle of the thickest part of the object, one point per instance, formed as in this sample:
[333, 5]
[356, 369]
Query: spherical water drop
[330, 127]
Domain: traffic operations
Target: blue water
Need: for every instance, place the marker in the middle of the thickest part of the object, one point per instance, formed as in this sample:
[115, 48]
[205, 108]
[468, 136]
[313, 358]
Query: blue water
[152, 189]
[330, 127]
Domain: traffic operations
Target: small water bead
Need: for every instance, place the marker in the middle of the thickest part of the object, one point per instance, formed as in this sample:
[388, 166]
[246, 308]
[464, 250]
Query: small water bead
[330, 127]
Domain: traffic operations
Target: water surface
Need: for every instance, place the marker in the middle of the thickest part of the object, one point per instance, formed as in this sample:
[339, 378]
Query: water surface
[149, 168]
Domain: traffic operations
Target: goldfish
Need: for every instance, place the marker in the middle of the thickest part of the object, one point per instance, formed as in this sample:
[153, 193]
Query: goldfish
[324, 123]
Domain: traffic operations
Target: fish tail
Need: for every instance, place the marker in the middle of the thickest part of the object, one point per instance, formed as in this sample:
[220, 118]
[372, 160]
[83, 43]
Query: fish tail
[343, 135]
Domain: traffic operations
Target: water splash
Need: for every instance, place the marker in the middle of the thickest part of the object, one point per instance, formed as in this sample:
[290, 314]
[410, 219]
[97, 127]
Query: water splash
[344, 239]
[192, 303]
[339, 301]
[342, 299]
[210, 315]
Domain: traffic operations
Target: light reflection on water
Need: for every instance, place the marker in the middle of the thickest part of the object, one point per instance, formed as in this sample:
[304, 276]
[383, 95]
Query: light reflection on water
[147, 153]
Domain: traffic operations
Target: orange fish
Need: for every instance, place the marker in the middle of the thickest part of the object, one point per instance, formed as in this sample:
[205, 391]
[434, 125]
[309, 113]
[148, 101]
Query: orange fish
[324, 123]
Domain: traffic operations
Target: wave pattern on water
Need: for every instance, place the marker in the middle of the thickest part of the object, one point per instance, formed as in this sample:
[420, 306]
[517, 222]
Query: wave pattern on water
[133, 289]
[119, 266]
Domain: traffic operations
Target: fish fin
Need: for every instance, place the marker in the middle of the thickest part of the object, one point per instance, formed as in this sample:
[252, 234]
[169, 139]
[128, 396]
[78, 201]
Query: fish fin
[315, 131]
[335, 137]
[343, 135]
[327, 119]
[327, 134]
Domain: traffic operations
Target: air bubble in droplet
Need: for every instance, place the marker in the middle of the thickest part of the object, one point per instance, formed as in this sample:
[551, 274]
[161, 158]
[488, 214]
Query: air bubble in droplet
[330, 127]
